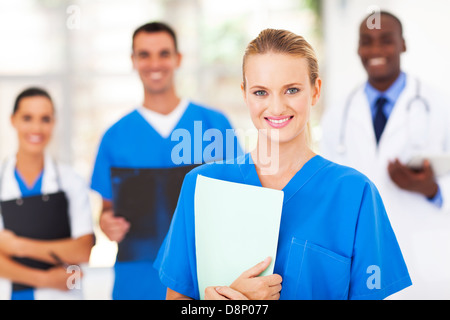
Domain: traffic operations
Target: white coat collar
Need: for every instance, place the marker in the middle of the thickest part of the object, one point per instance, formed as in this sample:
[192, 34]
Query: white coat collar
[360, 115]
[9, 186]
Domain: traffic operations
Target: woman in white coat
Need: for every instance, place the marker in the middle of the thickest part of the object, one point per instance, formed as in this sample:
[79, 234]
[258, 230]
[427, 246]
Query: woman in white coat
[45, 218]
[415, 120]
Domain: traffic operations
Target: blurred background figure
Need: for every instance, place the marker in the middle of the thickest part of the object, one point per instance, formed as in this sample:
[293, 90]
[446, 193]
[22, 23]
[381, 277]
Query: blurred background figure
[143, 141]
[45, 211]
[382, 125]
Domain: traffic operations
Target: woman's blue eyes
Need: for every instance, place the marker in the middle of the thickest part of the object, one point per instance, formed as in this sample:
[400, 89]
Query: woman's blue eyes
[292, 90]
[261, 93]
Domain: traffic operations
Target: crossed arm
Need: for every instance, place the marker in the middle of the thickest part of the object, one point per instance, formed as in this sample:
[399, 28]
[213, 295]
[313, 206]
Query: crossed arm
[71, 251]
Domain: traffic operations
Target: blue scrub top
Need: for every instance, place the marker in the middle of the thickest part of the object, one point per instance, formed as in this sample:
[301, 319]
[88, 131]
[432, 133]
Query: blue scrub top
[335, 239]
[133, 143]
[33, 190]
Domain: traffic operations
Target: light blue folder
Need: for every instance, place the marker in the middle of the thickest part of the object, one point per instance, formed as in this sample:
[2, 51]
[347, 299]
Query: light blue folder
[236, 227]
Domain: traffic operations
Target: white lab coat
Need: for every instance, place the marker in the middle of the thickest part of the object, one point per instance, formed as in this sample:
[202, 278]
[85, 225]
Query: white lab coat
[80, 216]
[422, 229]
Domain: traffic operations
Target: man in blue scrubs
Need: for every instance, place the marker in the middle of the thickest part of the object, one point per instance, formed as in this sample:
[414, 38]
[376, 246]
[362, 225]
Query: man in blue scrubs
[164, 132]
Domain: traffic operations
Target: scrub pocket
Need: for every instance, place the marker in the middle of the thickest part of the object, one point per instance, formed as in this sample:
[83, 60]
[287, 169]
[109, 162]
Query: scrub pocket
[313, 272]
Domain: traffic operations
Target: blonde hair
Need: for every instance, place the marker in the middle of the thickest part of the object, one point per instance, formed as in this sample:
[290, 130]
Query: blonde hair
[284, 42]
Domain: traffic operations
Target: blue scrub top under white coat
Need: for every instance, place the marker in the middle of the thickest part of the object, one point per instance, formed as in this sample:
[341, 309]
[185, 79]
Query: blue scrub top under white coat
[335, 239]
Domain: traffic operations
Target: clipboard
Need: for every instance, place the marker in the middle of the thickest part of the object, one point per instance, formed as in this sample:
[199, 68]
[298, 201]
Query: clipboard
[440, 163]
[37, 219]
[42, 217]
[236, 227]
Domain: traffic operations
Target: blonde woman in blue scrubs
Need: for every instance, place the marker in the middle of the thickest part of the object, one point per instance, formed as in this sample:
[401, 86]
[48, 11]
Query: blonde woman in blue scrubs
[335, 239]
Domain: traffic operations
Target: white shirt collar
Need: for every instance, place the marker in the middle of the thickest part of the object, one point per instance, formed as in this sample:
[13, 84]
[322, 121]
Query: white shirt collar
[164, 123]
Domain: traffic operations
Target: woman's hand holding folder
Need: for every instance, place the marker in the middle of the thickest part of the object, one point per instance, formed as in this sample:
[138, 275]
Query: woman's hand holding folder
[249, 286]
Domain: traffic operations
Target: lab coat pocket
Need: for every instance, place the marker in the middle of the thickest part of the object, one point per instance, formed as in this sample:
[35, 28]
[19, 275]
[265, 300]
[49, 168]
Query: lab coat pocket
[314, 272]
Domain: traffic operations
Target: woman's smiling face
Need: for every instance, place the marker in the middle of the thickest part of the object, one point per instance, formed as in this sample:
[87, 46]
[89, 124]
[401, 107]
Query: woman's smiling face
[34, 122]
[279, 94]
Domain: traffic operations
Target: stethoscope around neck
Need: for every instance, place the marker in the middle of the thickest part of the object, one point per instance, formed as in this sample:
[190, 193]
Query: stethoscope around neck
[341, 147]
[20, 200]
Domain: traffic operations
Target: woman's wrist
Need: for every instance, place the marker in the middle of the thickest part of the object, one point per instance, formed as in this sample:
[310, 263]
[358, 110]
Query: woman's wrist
[20, 247]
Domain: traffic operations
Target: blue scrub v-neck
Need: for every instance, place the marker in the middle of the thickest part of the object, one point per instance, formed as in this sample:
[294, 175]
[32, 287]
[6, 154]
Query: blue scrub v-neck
[178, 125]
[26, 190]
[306, 172]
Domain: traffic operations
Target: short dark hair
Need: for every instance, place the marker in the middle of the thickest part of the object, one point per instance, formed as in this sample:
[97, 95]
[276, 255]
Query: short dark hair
[152, 27]
[30, 92]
